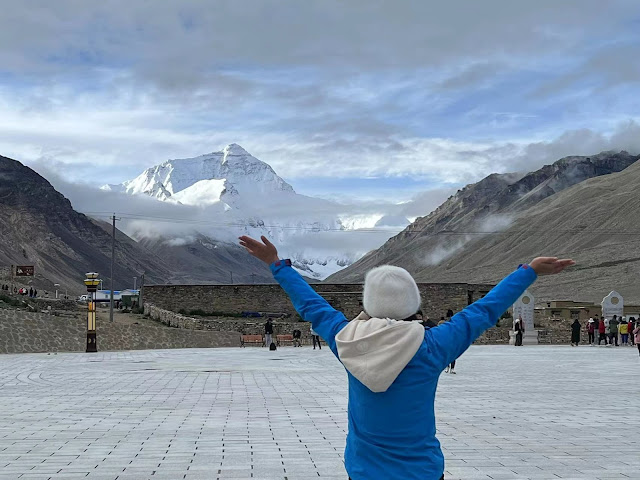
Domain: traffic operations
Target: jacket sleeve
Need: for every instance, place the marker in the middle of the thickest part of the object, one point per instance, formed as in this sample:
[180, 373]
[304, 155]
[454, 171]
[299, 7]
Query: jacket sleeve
[449, 340]
[326, 321]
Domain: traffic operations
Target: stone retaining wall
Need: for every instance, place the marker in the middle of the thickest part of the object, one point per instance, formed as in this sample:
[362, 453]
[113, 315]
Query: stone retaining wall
[245, 326]
[234, 299]
[38, 332]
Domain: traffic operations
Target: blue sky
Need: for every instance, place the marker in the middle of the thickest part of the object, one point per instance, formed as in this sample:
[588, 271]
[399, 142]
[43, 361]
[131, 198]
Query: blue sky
[362, 100]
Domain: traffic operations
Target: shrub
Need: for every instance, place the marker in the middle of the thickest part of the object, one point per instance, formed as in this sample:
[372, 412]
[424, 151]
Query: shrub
[14, 302]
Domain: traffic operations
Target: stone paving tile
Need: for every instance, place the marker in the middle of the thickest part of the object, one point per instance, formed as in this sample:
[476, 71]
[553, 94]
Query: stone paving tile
[214, 414]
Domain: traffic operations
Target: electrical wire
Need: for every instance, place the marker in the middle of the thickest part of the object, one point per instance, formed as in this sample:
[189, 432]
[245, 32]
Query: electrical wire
[409, 229]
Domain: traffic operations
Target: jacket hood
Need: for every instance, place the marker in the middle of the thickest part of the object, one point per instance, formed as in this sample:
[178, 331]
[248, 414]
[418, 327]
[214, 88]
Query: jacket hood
[376, 350]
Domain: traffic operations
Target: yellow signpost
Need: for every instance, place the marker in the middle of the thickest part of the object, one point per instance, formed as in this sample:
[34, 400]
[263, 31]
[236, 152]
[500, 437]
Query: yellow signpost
[91, 282]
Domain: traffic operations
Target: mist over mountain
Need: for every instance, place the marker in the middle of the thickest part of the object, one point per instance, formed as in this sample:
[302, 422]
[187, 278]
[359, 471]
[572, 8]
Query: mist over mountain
[580, 206]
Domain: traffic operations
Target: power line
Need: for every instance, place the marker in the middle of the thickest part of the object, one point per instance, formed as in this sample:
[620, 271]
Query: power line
[409, 229]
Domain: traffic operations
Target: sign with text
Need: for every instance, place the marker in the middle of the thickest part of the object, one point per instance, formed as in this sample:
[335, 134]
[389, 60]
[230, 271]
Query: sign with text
[25, 271]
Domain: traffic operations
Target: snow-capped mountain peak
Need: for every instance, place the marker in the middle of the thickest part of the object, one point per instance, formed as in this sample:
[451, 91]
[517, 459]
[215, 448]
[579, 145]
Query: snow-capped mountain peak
[212, 176]
[235, 150]
[240, 194]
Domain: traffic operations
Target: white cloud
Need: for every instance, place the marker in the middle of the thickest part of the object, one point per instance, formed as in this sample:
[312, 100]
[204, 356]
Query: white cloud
[100, 90]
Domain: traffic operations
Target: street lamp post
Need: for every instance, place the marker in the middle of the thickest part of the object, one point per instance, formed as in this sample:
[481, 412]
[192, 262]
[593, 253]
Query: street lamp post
[91, 283]
[56, 285]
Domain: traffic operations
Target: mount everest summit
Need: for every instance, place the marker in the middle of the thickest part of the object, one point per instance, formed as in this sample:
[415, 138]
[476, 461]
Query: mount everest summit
[221, 195]
[204, 180]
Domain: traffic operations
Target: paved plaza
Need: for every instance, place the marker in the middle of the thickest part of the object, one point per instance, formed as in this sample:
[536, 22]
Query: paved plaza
[509, 413]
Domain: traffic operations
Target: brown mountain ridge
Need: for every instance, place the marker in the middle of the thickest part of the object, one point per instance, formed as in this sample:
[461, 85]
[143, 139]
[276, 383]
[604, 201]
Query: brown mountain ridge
[582, 207]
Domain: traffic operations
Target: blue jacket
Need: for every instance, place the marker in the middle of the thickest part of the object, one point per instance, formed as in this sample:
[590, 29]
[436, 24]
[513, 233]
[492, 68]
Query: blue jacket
[392, 434]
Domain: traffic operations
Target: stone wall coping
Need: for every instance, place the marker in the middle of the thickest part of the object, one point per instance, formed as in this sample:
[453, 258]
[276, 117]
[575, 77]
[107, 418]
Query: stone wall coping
[275, 284]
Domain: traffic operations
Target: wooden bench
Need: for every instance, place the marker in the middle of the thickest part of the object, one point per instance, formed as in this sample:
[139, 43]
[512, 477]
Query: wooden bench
[284, 338]
[253, 339]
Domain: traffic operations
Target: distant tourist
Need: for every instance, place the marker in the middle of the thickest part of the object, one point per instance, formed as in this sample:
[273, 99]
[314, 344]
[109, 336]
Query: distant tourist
[425, 321]
[268, 332]
[428, 323]
[315, 338]
[452, 365]
[624, 332]
[613, 330]
[31, 292]
[393, 366]
[636, 334]
[591, 330]
[35, 293]
[575, 333]
[602, 328]
[518, 327]
[632, 326]
[296, 338]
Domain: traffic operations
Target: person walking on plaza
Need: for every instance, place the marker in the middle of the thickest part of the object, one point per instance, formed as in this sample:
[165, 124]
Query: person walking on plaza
[591, 330]
[315, 338]
[393, 366]
[601, 331]
[636, 335]
[613, 330]
[624, 332]
[268, 332]
[451, 365]
[631, 328]
[575, 333]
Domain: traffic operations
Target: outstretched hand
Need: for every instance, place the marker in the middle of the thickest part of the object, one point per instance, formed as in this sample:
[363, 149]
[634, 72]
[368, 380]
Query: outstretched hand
[550, 265]
[265, 250]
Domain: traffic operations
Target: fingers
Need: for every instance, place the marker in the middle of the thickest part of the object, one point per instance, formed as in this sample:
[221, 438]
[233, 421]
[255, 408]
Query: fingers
[567, 262]
[247, 241]
[266, 241]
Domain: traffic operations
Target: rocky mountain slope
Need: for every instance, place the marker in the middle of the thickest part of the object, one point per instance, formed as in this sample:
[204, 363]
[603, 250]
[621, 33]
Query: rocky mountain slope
[39, 227]
[583, 207]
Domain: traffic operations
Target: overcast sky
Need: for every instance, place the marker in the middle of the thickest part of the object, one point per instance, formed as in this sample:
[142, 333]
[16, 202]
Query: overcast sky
[347, 99]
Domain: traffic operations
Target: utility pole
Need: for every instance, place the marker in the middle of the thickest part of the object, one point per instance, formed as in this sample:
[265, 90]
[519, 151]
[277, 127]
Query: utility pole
[134, 282]
[113, 255]
[140, 295]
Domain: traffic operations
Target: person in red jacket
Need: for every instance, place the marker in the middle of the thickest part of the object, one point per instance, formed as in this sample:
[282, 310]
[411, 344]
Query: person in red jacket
[591, 330]
[601, 330]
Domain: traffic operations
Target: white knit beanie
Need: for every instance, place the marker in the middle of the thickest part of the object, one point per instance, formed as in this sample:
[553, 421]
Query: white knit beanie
[390, 292]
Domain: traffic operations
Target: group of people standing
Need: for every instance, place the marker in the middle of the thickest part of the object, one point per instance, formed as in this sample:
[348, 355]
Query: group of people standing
[31, 292]
[297, 334]
[615, 331]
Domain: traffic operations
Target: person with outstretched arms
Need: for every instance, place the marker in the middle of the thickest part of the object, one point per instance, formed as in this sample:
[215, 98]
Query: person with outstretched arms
[393, 366]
